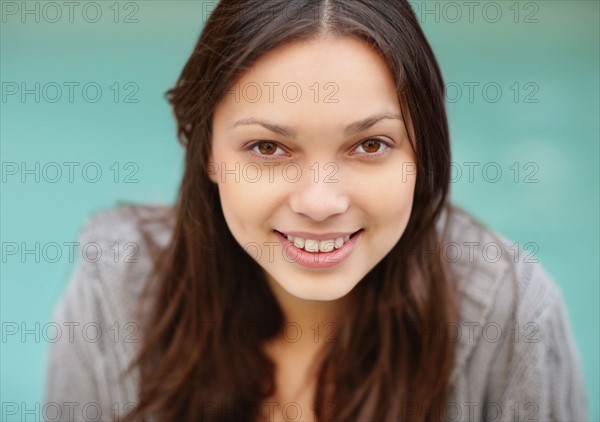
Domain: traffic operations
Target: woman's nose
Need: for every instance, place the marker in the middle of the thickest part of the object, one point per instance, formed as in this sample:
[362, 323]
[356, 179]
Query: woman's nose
[319, 197]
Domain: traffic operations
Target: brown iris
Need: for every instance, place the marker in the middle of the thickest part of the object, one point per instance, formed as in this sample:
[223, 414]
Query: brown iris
[371, 145]
[267, 148]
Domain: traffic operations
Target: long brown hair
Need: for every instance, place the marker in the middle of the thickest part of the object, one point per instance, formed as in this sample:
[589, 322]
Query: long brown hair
[387, 353]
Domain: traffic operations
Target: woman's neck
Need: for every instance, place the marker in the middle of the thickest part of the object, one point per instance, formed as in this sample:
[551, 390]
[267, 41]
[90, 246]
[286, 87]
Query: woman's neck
[309, 323]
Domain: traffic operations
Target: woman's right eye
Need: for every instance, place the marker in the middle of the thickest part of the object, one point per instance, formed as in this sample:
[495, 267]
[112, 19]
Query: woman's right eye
[265, 149]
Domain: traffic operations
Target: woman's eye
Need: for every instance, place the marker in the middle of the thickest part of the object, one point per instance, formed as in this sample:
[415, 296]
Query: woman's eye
[372, 147]
[265, 149]
[369, 148]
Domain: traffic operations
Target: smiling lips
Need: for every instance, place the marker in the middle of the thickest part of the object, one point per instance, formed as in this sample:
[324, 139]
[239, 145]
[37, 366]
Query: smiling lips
[311, 242]
[318, 253]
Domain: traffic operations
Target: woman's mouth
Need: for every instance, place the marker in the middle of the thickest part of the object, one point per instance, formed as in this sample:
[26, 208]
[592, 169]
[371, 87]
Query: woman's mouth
[314, 246]
[318, 254]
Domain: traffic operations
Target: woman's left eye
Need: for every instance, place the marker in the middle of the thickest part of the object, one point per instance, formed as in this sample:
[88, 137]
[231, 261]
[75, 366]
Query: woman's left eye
[265, 149]
[371, 147]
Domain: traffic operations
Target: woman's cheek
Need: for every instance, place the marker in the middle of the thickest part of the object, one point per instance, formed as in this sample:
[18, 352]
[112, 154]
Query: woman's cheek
[246, 202]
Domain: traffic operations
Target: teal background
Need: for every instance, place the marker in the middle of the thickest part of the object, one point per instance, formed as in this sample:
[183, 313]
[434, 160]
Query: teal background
[558, 54]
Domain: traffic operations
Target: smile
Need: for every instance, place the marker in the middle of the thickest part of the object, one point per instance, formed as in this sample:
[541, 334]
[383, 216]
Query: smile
[311, 253]
[312, 245]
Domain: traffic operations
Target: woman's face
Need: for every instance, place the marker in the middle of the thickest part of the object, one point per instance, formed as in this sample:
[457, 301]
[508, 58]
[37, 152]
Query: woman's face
[310, 141]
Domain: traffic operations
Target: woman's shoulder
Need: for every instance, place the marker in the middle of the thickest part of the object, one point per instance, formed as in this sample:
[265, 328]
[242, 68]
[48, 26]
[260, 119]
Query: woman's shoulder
[488, 251]
[118, 249]
[490, 268]
[129, 222]
[485, 262]
[512, 318]
[124, 243]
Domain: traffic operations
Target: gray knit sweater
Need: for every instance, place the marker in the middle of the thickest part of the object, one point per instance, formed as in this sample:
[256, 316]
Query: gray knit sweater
[542, 382]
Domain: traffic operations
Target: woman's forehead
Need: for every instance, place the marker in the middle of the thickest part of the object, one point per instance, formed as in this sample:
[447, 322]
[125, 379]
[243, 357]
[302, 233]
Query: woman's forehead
[338, 79]
[334, 59]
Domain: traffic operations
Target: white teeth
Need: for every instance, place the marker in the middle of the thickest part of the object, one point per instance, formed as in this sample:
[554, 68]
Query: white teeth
[326, 245]
[338, 242]
[312, 245]
[299, 242]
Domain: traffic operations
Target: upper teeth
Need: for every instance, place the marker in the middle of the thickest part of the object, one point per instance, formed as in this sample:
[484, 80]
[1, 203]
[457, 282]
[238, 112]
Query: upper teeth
[311, 245]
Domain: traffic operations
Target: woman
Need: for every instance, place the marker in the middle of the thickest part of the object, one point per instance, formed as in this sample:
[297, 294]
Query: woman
[313, 267]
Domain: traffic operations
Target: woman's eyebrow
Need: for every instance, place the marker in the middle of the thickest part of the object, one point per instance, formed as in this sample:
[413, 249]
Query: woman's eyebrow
[351, 129]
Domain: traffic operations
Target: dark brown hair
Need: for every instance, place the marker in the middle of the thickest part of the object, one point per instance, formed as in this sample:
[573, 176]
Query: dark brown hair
[386, 353]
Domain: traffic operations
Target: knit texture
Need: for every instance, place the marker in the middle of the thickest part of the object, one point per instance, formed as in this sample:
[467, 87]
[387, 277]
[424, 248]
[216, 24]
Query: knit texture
[508, 366]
